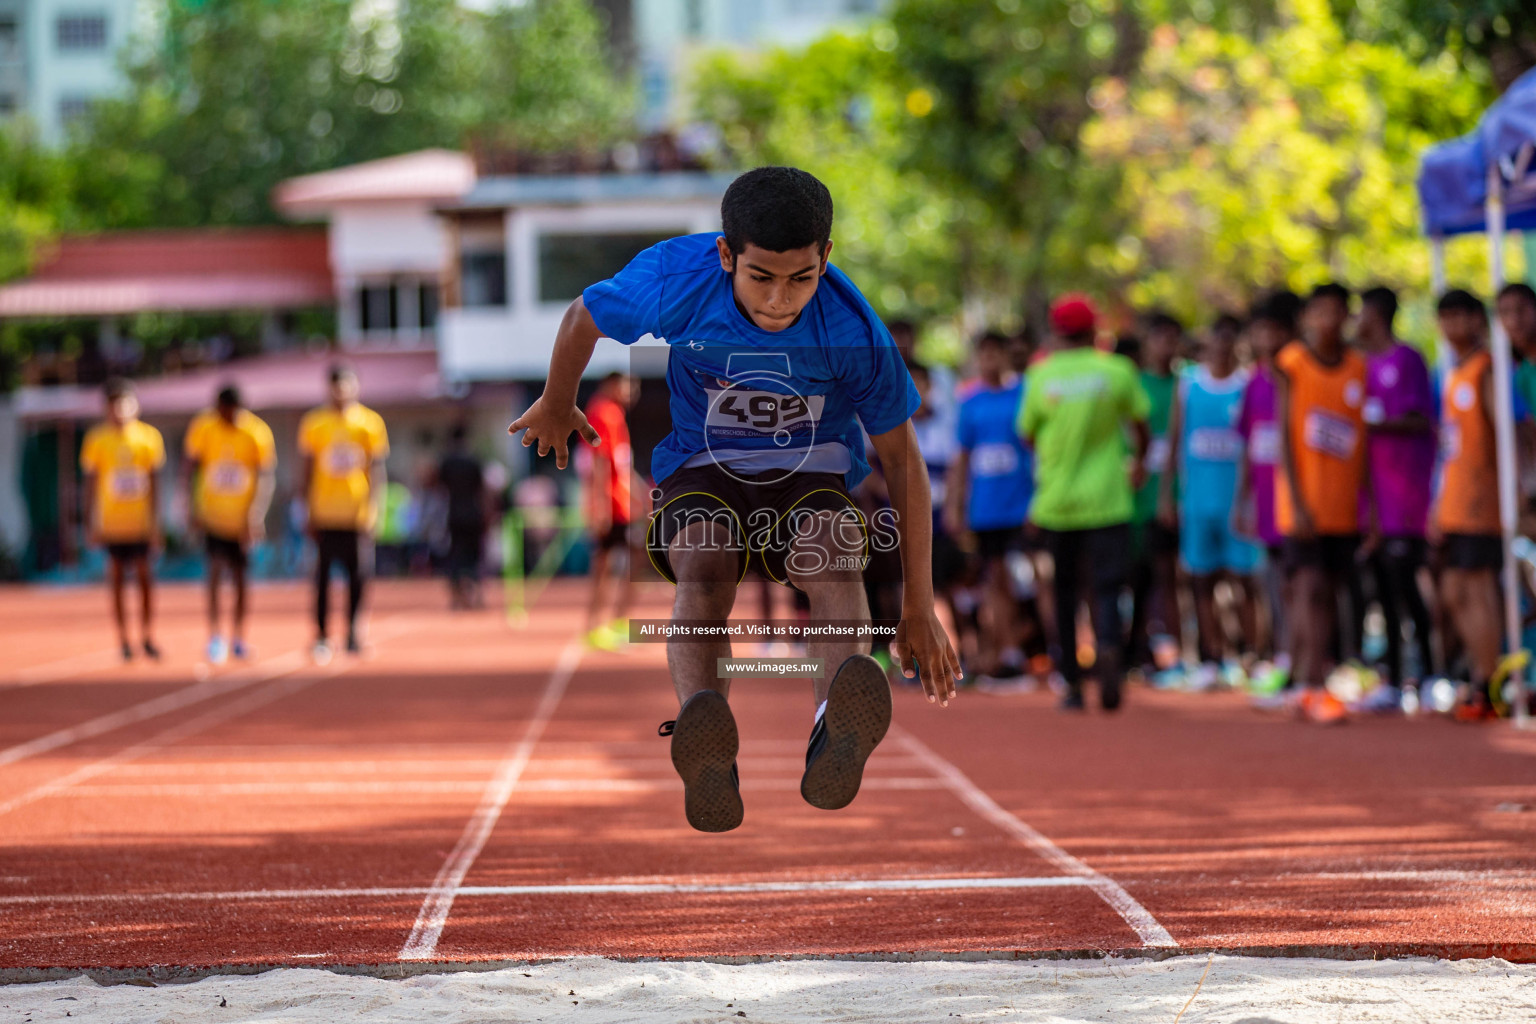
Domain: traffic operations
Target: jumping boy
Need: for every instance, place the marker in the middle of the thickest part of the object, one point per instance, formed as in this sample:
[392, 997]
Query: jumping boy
[1465, 521]
[121, 460]
[230, 457]
[1319, 404]
[343, 445]
[1203, 472]
[775, 359]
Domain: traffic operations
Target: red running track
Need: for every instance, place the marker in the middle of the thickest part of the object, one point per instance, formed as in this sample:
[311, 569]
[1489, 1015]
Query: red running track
[472, 792]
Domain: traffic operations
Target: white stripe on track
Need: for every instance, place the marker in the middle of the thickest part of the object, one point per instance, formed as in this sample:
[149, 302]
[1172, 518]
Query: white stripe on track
[153, 708]
[1123, 903]
[421, 944]
[282, 686]
[580, 889]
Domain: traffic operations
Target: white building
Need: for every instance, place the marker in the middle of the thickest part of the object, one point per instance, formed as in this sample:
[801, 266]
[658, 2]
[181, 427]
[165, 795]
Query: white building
[390, 252]
[527, 246]
[56, 56]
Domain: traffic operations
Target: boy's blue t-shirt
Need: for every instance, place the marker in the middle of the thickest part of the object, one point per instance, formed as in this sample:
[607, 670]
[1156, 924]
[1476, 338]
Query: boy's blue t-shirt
[1210, 448]
[751, 399]
[1002, 472]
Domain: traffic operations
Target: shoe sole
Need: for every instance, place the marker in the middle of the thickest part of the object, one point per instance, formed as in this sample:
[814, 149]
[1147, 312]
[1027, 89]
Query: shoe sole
[858, 715]
[704, 746]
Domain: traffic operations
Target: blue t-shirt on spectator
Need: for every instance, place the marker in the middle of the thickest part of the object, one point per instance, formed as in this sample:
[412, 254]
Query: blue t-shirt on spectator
[1001, 480]
[750, 399]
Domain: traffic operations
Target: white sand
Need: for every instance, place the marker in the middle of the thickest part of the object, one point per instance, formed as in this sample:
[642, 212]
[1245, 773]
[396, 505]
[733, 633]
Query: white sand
[1238, 991]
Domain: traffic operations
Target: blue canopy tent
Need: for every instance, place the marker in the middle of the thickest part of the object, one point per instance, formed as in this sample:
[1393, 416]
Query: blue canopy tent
[1484, 182]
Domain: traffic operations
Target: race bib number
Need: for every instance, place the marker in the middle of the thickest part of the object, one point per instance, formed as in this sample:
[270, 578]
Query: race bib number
[737, 412]
[1330, 435]
[1264, 448]
[1374, 412]
[343, 458]
[228, 477]
[1450, 441]
[994, 460]
[1157, 455]
[1215, 444]
[128, 484]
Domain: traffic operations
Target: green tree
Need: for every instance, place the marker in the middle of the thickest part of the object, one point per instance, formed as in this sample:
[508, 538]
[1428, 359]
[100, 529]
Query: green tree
[1289, 159]
[241, 94]
[1500, 34]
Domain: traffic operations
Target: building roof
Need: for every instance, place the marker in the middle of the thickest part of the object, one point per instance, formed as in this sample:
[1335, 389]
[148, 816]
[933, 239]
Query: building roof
[578, 189]
[431, 175]
[274, 381]
[204, 269]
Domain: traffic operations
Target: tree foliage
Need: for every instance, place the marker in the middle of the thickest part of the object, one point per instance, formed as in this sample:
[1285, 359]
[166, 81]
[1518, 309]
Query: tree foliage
[244, 93]
[1285, 160]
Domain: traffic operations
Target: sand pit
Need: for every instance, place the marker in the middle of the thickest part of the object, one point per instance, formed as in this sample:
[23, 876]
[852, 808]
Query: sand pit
[1237, 990]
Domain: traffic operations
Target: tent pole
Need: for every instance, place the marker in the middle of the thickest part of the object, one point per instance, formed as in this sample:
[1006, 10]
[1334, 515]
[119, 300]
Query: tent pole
[1504, 435]
[1437, 289]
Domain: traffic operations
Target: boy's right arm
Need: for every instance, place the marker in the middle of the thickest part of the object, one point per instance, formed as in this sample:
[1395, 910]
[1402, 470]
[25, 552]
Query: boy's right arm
[550, 420]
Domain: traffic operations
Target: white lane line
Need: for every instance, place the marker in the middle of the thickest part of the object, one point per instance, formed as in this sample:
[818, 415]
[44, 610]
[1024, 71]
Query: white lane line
[579, 889]
[282, 686]
[153, 708]
[406, 787]
[62, 668]
[421, 944]
[1137, 916]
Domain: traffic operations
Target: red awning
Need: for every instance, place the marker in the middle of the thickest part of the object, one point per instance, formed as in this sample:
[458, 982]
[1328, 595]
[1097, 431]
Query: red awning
[168, 271]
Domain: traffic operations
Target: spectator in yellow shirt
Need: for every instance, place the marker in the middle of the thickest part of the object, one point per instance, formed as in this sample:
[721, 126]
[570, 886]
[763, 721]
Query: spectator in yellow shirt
[342, 445]
[120, 459]
[230, 456]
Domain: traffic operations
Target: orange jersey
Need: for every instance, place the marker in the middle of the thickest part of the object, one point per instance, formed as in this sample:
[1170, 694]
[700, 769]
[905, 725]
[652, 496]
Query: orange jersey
[1326, 432]
[1469, 479]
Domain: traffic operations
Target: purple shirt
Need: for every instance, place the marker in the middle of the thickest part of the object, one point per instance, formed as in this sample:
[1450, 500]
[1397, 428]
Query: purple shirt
[1261, 434]
[1401, 465]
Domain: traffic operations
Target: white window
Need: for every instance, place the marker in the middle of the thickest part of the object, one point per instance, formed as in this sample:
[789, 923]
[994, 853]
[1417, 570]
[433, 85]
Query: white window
[82, 32]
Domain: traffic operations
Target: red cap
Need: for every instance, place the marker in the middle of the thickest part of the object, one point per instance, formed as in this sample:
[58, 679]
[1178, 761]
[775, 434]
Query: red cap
[1073, 314]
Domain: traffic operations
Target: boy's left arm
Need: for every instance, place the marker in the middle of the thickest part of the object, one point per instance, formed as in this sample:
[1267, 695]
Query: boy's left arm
[921, 637]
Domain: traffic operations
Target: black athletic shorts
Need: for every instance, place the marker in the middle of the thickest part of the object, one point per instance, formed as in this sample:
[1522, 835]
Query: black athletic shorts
[1472, 551]
[231, 551]
[1405, 550]
[1332, 552]
[760, 512]
[129, 552]
[616, 536]
[994, 545]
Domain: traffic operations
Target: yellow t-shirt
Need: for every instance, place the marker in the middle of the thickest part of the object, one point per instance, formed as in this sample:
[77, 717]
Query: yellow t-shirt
[343, 445]
[122, 460]
[231, 458]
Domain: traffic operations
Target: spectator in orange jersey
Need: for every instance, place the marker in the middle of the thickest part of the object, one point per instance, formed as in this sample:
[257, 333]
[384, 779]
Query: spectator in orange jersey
[1465, 522]
[1319, 400]
[611, 487]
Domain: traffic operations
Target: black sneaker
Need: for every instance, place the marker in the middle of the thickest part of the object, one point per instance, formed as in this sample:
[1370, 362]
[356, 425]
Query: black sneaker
[151, 651]
[856, 719]
[353, 646]
[1073, 701]
[127, 651]
[704, 745]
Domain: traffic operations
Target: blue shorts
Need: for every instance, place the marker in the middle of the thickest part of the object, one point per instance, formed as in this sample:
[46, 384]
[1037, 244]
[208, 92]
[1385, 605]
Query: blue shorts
[1207, 545]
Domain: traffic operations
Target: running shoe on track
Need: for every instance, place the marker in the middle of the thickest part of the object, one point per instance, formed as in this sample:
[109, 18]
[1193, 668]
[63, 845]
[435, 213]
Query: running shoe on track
[321, 653]
[1322, 708]
[239, 650]
[704, 746]
[855, 720]
[150, 650]
[218, 651]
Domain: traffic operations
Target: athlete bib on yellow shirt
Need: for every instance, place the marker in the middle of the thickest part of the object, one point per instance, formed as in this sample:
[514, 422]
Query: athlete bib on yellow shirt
[342, 444]
[122, 460]
[232, 457]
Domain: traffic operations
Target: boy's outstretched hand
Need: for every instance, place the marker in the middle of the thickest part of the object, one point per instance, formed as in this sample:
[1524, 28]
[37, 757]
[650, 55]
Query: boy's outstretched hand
[551, 427]
[921, 638]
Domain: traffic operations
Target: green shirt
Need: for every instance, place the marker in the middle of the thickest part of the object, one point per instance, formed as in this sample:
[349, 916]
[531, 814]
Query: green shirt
[1160, 389]
[1077, 404]
[1525, 384]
